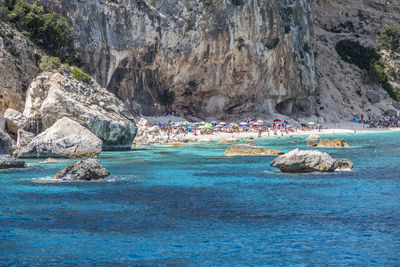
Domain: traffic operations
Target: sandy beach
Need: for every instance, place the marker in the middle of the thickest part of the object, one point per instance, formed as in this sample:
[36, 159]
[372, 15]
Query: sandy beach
[328, 129]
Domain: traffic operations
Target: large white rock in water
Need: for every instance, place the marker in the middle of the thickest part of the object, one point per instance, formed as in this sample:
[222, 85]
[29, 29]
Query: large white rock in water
[15, 120]
[300, 161]
[89, 169]
[52, 96]
[66, 138]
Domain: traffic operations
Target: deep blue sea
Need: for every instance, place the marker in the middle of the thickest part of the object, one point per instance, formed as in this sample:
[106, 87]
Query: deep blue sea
[192, 206]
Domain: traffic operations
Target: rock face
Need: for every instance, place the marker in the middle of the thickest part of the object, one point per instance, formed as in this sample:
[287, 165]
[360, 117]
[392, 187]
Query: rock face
[7, 161]
[5, 143]
[52, 96]
[344, 89]
[248, 150]
[219, 56]
[19, 60]
[89, 169]
[335, 143]
[2, 123]
[66, 138]
[15, 120]
[24, 138]
[301, 161]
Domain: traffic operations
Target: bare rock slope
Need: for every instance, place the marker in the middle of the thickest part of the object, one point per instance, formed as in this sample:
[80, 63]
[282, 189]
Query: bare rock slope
[345, 89]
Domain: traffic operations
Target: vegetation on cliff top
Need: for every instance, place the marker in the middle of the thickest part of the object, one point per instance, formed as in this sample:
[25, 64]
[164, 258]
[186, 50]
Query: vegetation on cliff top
[48, 30]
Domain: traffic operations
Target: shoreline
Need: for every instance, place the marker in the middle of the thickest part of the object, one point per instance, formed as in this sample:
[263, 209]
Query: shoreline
[215, 137]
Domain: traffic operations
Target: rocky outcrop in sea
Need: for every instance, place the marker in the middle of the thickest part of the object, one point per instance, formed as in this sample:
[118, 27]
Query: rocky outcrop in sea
[89, 169]
[250, 150]
[6, 160]
[302, 161]
[66, 138]
[53, 95]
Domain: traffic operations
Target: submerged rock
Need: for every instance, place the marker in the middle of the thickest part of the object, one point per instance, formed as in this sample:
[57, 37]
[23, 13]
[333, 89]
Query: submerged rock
[176, 144]
[8, 161]
[336, 143]
[228, 141]
[301, 161]
[251, 143]
[66, 138]
[248, 150]
[89, 169]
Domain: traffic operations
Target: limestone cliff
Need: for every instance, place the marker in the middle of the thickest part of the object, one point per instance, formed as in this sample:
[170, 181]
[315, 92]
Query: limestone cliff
[18, 67]
[344, 89]
[219, 57]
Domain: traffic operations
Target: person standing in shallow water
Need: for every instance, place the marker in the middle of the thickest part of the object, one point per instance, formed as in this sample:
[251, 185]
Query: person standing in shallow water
[259, 133]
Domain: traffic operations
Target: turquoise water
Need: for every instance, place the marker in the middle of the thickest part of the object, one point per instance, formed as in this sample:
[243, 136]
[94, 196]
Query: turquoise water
[193, 206]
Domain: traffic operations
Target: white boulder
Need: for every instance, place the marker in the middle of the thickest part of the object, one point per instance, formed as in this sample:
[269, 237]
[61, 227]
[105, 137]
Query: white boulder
[66, 138]
[52, 96]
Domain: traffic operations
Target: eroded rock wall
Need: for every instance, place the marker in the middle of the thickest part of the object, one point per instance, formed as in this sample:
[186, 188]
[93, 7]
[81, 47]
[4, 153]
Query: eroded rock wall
[344, 89]
[219, 57]
[19, 61]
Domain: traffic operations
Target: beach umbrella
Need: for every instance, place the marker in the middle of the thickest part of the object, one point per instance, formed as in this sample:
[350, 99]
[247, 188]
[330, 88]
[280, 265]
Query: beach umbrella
[207, 126]
[203, 122]
[186, 123]
[219, 126]
[222, 123]
[312, 123]
[260, 121]
[235, 125]
[277, 120]
[244, 123]
[232, 123]
[160, 123]
[214, 122]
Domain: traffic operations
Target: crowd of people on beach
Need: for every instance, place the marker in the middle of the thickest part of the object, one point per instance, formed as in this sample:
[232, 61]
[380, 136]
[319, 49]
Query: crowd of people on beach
[275, 128]
[378, 121]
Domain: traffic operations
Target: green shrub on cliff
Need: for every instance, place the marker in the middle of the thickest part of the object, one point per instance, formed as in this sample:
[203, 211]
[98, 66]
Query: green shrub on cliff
[80, 75]
[48, 30]
[167, 98]
[50, 63]
[389, 39]
[366, 58]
